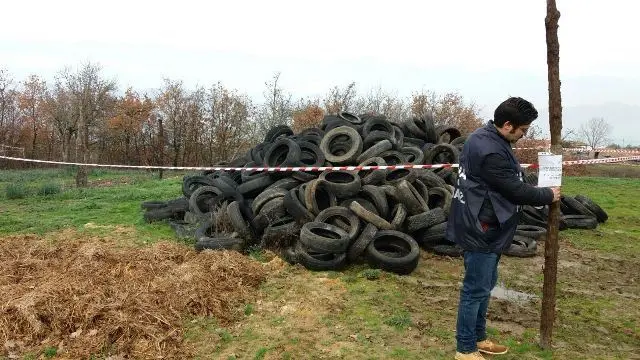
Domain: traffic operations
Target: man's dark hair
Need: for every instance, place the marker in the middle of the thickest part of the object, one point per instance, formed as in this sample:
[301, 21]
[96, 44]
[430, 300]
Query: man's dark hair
[516, 110]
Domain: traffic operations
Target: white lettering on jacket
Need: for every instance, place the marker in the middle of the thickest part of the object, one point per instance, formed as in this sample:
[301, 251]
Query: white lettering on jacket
[457, 194]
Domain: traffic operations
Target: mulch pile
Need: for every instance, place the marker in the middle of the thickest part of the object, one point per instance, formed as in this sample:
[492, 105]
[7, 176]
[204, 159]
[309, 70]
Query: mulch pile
[95, 296]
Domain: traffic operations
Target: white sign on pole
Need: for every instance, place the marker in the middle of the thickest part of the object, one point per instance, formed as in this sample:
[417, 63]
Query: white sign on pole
[550, 169]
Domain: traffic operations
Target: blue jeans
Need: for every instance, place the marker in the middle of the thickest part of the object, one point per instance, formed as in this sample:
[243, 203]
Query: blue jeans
[481, 275]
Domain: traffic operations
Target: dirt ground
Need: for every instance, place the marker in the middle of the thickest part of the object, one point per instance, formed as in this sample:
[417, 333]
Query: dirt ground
[68, 295]
[77, 296]
[302, 314]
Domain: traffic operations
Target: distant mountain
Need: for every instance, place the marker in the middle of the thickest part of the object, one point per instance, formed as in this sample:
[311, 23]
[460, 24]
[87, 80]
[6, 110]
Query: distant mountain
[623, 118]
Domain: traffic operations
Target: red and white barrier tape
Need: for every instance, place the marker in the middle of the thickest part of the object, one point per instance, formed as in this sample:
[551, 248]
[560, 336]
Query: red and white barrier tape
[601, 161]
[312, 168]
[622, 151]
[601, 150]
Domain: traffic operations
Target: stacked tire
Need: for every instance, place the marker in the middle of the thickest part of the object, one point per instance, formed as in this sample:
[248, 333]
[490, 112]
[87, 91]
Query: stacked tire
[326, 220]
[577, 212]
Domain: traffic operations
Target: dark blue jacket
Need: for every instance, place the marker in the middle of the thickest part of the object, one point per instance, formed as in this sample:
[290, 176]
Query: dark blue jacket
[487, 200]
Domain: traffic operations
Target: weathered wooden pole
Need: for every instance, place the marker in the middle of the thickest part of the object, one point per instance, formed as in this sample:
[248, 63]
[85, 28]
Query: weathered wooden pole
[547, 316]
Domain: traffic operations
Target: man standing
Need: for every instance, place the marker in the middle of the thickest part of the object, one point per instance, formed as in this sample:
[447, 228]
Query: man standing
[485, 213]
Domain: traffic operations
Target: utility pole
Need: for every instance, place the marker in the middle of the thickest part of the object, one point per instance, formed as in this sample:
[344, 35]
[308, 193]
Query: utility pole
[547, 316]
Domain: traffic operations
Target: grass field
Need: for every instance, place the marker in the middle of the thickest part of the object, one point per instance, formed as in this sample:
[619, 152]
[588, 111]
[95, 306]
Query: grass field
[362, 313]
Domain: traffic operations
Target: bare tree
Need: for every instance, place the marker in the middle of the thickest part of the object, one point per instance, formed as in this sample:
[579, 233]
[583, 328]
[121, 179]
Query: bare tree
[423, 103]
[9, 110]
[278, 106]
[5, 96]
[78, 112]
[32, 104]
[595, 132]
[448, 109]
[123, 138]
[567, 134]
[567, 138]
[340, 99]
[307, 113]
[228, 123]
[154, 141]
[395, 109]
[60, 113]
[194, 122]
[159, 145]
[92, 100]
[173, 109]
[379, 101]
[534, 133]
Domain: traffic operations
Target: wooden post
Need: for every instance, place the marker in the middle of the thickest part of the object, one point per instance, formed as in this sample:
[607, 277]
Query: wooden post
[160, 147]
[547, 316]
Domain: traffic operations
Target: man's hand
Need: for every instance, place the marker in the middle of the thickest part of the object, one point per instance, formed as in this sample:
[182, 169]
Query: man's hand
[556, 193]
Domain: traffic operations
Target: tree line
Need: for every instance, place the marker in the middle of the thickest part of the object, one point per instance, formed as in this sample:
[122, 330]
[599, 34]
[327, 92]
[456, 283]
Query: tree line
[82, 116]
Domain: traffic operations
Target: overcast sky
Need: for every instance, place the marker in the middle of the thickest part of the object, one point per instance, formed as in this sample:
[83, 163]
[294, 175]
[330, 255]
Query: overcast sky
[486, 50]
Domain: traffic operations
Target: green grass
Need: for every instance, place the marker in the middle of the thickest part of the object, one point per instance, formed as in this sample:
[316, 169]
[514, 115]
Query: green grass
[248, 309]
[369, 313]
[388, 317]
[49, 189]
[72, 207]
[619, 198]
[15, 191]
[50, 352]
[43, 200]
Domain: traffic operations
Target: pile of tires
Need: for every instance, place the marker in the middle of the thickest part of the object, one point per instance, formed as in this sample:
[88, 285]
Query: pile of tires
[326, 220]
[576, 212]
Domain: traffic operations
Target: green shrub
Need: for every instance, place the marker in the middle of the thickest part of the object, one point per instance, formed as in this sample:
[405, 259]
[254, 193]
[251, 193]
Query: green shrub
[71, 170]
[16, 191]
[49, 189]
[98, 172]
[371, 274]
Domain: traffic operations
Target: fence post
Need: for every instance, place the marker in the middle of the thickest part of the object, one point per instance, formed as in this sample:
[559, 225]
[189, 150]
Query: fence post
[551, 247]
